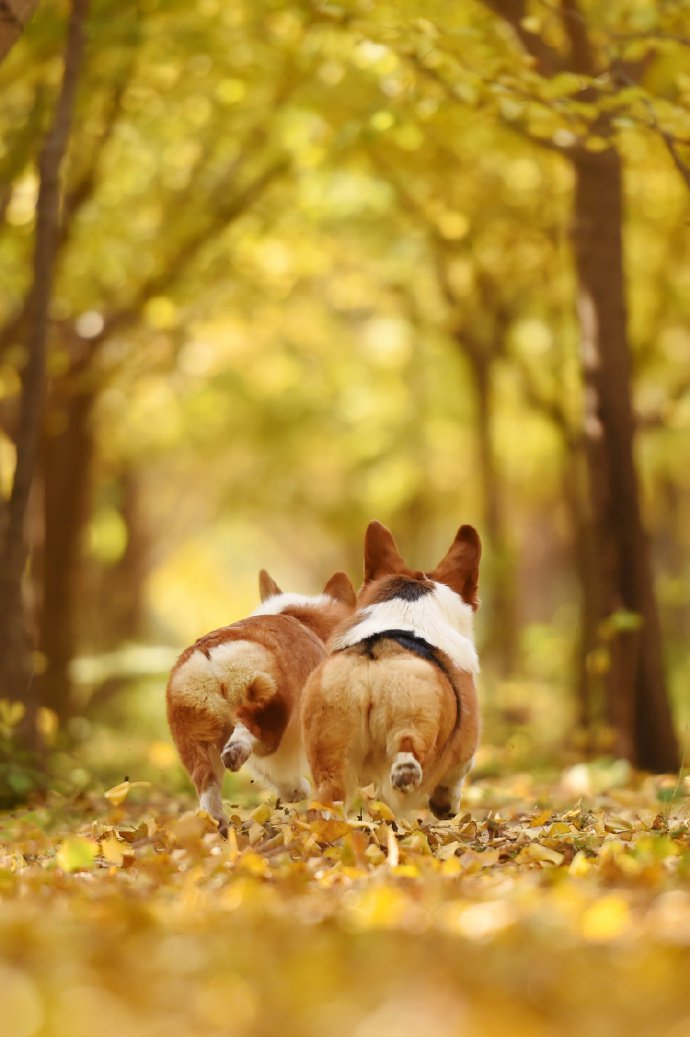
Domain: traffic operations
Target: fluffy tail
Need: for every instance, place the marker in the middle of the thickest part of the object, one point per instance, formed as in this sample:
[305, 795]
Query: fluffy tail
[406, 769]
[406, 772]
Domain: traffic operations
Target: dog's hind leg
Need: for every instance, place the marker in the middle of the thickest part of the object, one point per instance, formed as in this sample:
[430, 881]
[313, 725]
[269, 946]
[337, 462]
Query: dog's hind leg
[198, 737]
[328, 770]
[444, 801]
[238, 747]
[206, 770]
[328, 758]
[331, 725]
[210, 797]
[200, 721]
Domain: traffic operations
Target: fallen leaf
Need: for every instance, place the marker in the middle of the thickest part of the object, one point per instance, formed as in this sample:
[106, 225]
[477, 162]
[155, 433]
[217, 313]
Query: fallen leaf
[118, 793]
[77, 854]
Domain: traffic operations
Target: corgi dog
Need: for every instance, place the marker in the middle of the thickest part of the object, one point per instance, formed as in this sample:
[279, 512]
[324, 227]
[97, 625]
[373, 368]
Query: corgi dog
[232, 695]
[395, 701]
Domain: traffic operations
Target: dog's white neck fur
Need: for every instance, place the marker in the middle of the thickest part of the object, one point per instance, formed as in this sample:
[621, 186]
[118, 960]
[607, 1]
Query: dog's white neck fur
[277, 603]
[441, 617]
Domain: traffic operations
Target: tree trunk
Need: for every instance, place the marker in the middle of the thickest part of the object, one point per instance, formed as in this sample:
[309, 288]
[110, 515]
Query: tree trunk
[501, 642]
[127, 614]
[673, 545]
[588, 706]
[67, 483]
[637, 701]
[15, 653]
[14, 14]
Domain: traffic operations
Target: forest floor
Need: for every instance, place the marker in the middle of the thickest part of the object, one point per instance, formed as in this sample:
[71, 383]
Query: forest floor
[538, 910]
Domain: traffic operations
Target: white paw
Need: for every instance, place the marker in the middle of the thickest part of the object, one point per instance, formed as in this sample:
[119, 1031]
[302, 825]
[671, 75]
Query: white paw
[406, 773]
[235, 754]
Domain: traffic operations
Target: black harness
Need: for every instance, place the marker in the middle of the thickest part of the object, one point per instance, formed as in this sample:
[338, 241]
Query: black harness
[412, 643]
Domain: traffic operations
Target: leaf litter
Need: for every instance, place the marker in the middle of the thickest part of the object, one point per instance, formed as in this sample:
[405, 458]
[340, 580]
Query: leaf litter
[530, 912]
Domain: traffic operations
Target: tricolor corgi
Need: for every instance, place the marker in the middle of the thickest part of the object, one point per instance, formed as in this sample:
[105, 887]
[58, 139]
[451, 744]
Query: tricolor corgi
[395, 703]
[232, 695]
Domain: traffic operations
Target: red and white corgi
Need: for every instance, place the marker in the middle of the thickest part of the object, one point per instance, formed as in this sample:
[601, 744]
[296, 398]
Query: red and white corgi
[232, 695]
[395, 703]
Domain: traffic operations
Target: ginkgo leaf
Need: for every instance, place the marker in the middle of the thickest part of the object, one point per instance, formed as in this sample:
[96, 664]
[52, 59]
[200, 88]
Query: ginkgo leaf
[541, 854]
[330, 830]
[113, 851]
[541, 818]
[380, 811]
[77, 854]
[262, 814]
[118, 793]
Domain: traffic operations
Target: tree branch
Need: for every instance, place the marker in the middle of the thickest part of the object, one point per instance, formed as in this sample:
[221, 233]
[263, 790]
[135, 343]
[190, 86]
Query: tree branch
[75, 200]
[669, 140]
[19, 148]
[83, 190]
[548, 406]
[548, 61]
[227, 212]
[575, 27]
[14, 14]
[671, 147]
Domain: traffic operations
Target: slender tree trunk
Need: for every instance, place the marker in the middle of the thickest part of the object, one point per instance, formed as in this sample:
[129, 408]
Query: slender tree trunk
[638, 705]
[587, 683]
[15, 653]
[67, 483]
[501, 643]
[127, 620]
[672, 546]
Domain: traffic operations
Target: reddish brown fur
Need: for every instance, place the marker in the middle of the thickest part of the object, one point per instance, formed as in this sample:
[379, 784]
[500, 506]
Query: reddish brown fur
[295, 651]
[202, 712]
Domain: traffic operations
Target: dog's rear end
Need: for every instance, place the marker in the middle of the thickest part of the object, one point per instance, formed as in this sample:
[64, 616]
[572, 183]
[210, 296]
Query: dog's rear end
[232, 695]
[395, 703]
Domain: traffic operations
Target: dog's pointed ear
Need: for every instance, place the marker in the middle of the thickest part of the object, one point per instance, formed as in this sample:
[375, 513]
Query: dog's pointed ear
[459, 570]
[267, 586]
[381, 555]
[340, 587]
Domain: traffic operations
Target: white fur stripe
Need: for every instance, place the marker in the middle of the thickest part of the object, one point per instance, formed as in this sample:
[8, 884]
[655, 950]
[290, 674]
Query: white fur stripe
[442, 618]
[277, 603]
